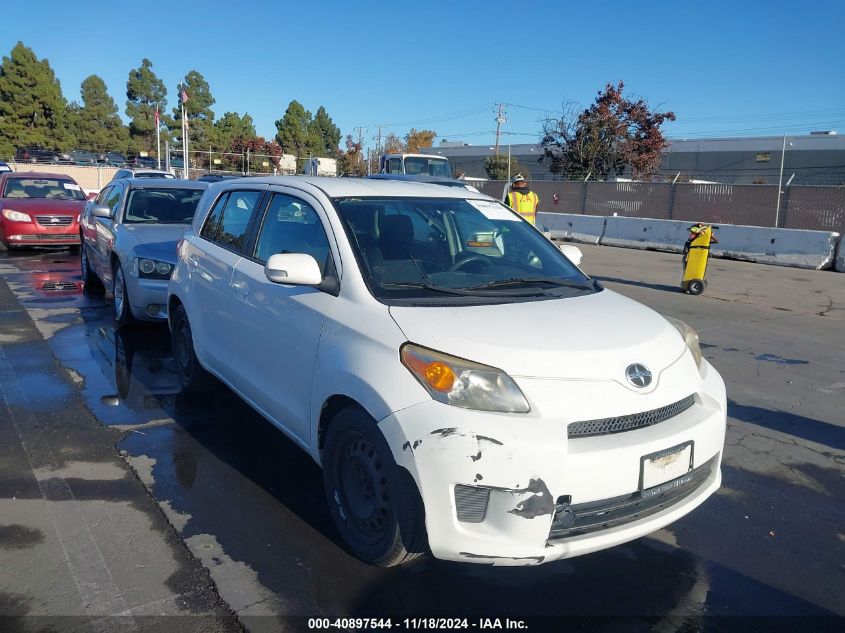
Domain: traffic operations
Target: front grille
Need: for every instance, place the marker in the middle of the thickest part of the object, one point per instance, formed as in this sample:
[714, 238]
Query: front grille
[606, 426]
[54, 220]
[583, 518]
[471, 503]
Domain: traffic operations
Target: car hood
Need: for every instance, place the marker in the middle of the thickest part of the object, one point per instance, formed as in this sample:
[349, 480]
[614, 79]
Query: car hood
[156, 240]
[593, 337]
[44, 205]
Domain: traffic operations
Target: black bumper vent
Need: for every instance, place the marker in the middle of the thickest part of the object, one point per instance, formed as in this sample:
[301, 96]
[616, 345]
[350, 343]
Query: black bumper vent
[606, 426]
[583, 518]
[471, 503]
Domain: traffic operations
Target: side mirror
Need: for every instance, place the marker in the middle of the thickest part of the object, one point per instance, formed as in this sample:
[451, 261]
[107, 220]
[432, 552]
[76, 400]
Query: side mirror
[101, 211]
[572, 253]
[295, 269]
[92, 196]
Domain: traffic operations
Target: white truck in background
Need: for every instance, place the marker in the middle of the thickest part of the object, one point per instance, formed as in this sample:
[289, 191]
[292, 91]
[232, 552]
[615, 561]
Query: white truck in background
[415, 165]
[321, 167]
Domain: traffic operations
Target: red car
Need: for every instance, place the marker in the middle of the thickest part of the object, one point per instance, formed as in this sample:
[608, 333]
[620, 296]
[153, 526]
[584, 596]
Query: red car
[39, 209]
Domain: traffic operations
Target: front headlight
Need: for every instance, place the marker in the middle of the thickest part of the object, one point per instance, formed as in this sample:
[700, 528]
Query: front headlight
[16, 216]
[690, 337]
[150, 268]
[463, 383]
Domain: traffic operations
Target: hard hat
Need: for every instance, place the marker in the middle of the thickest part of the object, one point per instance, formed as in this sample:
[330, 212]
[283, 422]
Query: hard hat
[518, 178]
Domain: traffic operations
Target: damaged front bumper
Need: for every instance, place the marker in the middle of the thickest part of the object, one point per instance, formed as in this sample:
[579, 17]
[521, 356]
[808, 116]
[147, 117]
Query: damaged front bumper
[506, 489]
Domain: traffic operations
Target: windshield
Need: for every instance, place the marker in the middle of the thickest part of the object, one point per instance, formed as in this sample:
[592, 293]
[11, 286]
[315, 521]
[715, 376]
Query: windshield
[420, 166]
[161, 206]
[52, 188]
[424, 247]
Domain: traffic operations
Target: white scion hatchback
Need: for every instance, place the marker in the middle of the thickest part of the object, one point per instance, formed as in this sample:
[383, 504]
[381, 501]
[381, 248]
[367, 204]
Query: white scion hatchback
[466, 388]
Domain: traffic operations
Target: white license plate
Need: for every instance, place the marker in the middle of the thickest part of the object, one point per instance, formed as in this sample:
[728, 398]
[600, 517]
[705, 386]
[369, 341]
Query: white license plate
[666, 465]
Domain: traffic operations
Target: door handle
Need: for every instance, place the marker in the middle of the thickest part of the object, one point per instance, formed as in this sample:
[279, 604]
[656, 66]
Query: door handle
[240, 287]
[193, 261]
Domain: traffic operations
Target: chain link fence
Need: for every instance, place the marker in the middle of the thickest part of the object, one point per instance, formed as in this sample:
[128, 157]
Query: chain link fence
[819, 208]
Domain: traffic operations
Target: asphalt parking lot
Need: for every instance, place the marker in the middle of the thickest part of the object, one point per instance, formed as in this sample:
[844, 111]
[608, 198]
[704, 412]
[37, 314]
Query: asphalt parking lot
[245, 512]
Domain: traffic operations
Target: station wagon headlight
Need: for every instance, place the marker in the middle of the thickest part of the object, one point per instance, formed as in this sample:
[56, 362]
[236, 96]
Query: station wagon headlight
[16, 216]
[151, 268]
[463, 383]
[690, 337]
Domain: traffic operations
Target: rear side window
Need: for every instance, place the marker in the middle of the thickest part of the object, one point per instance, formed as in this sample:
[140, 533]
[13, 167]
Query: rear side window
[292, 225]
[228, 222]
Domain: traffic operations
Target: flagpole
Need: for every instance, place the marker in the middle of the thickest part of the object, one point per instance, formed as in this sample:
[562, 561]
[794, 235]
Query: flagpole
[158, 139]
[184, 133]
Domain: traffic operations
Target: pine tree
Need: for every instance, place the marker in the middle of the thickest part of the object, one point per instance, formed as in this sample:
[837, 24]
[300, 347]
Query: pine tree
[233, 127]
[96, 124]
[33, 111]
[325, 135]
[144, 91]
[198, 111]
[294, 131]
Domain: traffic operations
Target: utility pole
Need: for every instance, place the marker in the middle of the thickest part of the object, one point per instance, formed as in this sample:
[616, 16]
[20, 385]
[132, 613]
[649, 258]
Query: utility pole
[780, 181]
[361, 131]
[378, 137]
[500, 118]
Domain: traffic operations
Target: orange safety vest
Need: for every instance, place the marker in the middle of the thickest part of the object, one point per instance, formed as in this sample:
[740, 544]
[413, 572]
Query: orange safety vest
[525, 204]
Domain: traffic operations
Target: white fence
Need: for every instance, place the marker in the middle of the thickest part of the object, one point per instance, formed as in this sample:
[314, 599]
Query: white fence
[89, 178]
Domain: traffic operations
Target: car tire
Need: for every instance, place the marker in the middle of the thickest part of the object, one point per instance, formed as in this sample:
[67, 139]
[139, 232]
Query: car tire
[91, 283]
[192, 377]
[374, 503]
[122, 309]
[695, 287]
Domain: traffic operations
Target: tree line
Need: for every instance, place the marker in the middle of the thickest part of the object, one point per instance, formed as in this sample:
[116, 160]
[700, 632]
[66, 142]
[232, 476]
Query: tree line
[35, 113]
[614, 135]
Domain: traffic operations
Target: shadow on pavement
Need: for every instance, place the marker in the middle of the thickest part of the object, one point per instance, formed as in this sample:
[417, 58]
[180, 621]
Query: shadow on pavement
[790, 423]
[642, 284]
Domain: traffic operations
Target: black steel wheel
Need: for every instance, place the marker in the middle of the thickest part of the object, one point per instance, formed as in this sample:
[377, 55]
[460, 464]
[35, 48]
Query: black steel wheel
[192, 377]
[374, 503]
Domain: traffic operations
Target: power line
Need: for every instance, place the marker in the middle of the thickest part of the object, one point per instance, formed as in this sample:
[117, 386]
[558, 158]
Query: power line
[442, 117]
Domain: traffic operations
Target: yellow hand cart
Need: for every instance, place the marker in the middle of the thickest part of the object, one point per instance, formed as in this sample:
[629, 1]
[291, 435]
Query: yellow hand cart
[696, 254]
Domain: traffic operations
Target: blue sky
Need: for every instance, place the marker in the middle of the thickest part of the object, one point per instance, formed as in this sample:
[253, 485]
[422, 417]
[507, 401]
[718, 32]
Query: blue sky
[725, 68]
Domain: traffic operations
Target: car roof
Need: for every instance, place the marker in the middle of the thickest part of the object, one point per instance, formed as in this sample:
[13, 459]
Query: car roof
[38, 174]
[163, 183]
[417, 178]
[352, 187]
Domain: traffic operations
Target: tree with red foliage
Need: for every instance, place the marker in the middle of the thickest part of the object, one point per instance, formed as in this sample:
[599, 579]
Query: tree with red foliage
[351, 162]
[614, 134]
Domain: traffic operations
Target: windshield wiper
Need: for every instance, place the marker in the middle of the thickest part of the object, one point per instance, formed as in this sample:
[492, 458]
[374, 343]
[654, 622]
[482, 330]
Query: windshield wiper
[530, 281]
[424, 285]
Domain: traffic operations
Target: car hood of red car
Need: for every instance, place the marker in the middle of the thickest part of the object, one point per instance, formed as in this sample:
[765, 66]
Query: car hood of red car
[52, 206]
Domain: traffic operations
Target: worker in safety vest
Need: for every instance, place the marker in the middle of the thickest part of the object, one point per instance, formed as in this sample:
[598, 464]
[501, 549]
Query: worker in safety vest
[522, 200]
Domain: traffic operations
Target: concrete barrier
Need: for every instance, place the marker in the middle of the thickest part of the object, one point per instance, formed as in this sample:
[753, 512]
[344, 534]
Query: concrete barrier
[646, 233]
[782, 247]
[839, 262]
[587, 229]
